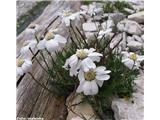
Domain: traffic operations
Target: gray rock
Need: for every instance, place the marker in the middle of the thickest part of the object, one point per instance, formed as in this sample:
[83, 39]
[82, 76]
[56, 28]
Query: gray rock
[138, 17]
[142, 37]
[107, 24]
[90, 26]
[130, 27]
[137, 38]
[135, 45]
[110, 24]
[129, 10]
[24, 6]
[138, 8]
[115, 40]
[129, 39]
[116, 17]
[125, 109]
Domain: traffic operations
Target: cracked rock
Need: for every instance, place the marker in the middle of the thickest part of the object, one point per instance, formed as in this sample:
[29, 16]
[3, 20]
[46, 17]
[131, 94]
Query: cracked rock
[130, 109]
[90, 26]
[138, 17]
[130, 27]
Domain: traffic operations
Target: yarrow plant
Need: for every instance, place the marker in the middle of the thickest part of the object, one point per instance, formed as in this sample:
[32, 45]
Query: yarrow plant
[74, 65]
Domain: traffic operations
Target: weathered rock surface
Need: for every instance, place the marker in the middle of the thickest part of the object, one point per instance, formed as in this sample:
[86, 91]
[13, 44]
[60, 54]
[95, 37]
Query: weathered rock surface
[131, 109]
[138, 17]
[130, 27]
[90, 27]
[135, 45]
[84, 109]
[24, 6]
[116, 17]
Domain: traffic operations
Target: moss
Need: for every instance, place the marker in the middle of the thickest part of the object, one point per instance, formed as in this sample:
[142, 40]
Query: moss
[31, 15]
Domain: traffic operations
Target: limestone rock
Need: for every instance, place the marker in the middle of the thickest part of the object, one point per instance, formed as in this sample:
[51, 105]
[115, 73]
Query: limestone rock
[116, 17]
[138, 17]
[138, 38]
[90, 26]
[24, 6]
[135, 45]
[81, 109]
[129, 10]
[115, 40]
[131, 109]
[130, 27]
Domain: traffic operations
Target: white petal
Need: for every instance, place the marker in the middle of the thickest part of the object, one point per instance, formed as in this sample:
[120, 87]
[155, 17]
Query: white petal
[94, 87]
[73, 60]
[66, 64]
[93, 58]
[19, 71]
[25, 52]
[73, 71]
[87, 64]
[92, 50]
[41, 44]
[100, 68]
[27, 65]
[72, 17]
[81, 75]
[102, 77]
[80, 87]
[60, 39]
[140, 58]
[129, 64]
[125, 60]
[87, 88]
[66, 21]
[32, 44]
[95, 54]
[100, 83]
[52, 45]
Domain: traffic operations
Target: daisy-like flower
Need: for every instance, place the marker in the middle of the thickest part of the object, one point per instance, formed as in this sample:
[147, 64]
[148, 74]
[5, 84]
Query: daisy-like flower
[23, 66]
[91, 79]
[84, 59]
[52, 42]
[25, 52]
[67, 16]
[132, 60]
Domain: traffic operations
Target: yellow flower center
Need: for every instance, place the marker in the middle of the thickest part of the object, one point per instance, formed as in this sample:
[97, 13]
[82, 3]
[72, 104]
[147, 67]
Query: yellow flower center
[66, 13]
[49, 35]
[133, 56]
[90, 75]
[81, 54]
[20, 62]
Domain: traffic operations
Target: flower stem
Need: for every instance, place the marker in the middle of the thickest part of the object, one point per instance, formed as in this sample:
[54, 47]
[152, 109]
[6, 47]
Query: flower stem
[38, 61]
[44, 59]
[43, 86]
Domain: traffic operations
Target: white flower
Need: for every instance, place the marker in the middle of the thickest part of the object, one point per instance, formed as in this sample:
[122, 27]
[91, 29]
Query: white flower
[67, 16]
[91, 79]
[23, 66]
[25, 52]
[104, 33]
[83, 59]
[52, 42]
[132, 60]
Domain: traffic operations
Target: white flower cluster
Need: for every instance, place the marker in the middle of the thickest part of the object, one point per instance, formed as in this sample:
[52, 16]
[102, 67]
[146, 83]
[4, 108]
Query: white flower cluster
[51, 42]
[82, 65]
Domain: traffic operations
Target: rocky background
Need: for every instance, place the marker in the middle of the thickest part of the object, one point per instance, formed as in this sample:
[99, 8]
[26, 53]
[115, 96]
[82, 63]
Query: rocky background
[128, 20]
